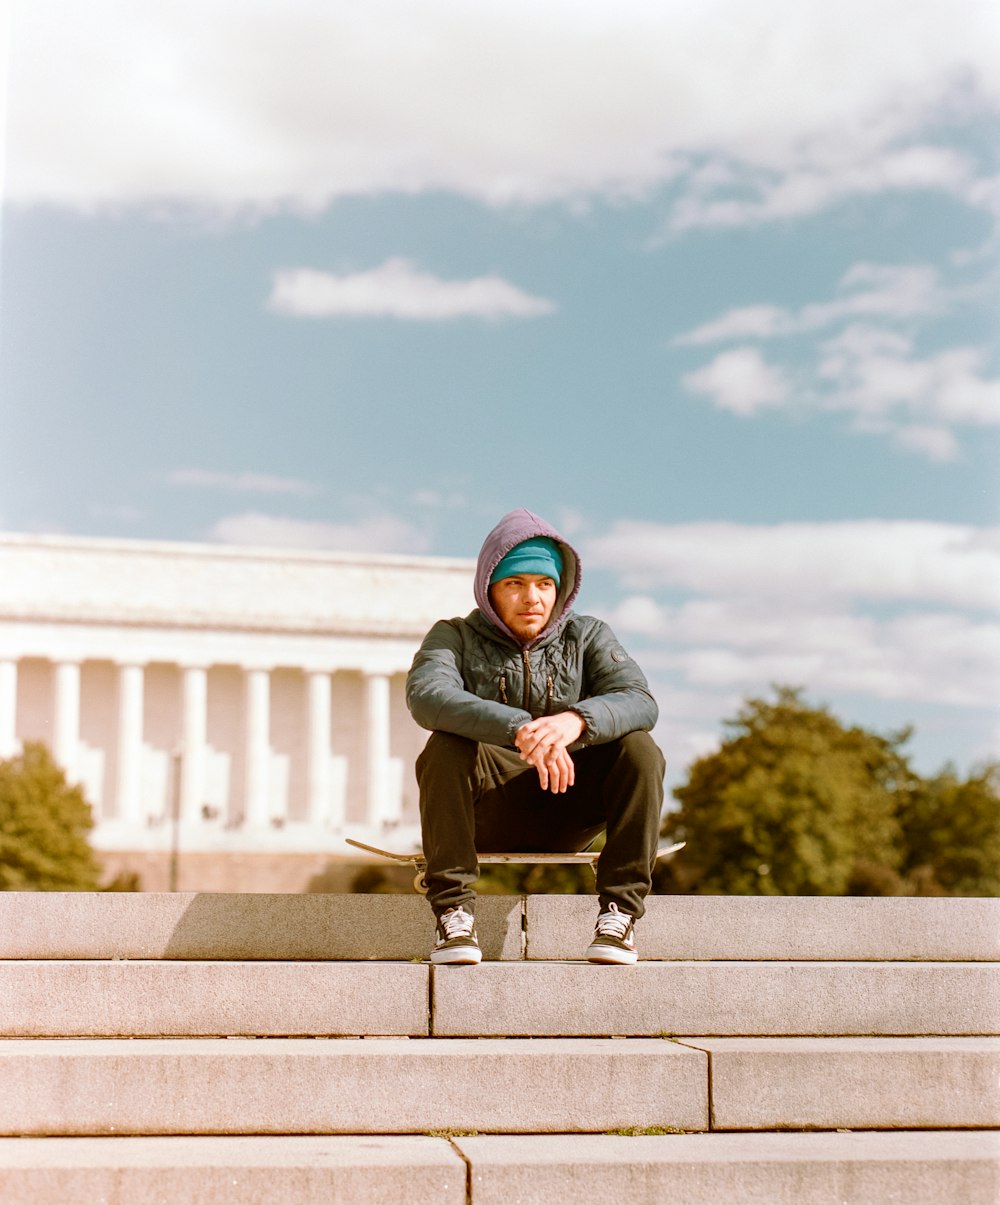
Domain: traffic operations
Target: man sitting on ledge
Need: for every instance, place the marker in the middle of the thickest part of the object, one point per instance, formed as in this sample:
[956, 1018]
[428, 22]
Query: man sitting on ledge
[539, 741]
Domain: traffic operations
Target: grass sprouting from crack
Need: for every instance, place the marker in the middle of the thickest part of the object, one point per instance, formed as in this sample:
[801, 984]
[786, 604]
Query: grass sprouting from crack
[636, 1131]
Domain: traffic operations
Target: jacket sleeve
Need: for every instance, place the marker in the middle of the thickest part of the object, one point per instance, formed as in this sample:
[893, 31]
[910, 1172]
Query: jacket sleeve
[619, 700]
[438, 699]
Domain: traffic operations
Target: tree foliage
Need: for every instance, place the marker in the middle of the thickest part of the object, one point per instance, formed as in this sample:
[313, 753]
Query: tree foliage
[796, 803]
[952, 833]
[44, 824]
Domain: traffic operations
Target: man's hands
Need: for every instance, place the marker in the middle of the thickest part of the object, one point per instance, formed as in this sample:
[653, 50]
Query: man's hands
[542, 744]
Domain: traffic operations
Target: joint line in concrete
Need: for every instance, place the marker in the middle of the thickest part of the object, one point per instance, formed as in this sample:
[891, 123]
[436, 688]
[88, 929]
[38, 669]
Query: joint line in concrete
[711, 1094]
[709, 1087]
[468, 1168]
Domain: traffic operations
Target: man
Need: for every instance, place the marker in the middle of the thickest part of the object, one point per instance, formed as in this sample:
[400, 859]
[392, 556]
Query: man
[539, 740]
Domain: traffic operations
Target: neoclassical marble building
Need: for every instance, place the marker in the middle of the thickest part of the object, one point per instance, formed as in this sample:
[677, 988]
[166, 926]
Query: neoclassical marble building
[229, 701]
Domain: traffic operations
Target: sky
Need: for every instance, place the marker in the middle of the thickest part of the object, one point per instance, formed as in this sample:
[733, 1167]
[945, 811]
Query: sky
[711, 287]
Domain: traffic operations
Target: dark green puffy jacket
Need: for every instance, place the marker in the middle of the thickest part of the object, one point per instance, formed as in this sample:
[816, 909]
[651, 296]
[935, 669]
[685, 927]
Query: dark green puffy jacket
[472, 680]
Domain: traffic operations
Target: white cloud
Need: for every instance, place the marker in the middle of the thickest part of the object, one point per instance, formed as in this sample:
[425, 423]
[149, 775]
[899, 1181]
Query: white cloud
[758, 114]
[745, 322]
[936, 443]
[397, 289]
[872, 560]
[378, 533]
[873, 290]
[641, 614]
[688, 727]
[941, 658]
[800, 190]
[741, 381]
[242, 483]
[871, 372]
[793, 603]
[875, 375]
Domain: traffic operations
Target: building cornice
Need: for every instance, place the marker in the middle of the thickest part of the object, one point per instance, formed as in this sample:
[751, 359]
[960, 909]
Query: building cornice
[181, 548]
[155, 584]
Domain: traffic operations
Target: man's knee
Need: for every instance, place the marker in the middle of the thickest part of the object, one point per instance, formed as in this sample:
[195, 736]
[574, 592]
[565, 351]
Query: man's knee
[641, 751]
[446, 748]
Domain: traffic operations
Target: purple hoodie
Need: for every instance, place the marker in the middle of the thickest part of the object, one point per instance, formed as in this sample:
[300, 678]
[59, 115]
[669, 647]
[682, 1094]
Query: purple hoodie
[515, 527]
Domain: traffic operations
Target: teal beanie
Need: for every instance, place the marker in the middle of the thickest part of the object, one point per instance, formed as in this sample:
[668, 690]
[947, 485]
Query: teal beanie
[537, 555]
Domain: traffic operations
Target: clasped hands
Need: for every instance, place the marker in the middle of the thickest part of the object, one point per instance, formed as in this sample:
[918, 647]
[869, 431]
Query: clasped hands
[542, 743]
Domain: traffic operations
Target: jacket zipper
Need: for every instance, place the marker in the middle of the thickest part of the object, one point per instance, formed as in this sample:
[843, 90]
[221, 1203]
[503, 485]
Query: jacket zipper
[503, 688]
[549, 690]
[527, 681]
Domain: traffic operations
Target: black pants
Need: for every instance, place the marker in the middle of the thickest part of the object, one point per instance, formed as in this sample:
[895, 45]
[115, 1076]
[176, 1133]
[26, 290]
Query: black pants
[482, 797]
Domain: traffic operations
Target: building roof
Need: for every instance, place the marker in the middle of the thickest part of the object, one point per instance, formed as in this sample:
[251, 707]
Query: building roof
[174, 585]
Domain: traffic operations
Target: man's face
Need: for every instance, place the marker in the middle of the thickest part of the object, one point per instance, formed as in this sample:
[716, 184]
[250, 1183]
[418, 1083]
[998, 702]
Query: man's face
[524, 603]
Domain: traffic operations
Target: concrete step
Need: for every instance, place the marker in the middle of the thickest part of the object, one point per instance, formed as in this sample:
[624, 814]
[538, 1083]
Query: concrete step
[780, 928]
[323, 927]
[853, 1083]
[396, 1085]
[725, 998]
[925, 1168]
[206, 999]
[525, 999]
[193, 925]
[295, 1170]
[758, 1169]
[347, 1086]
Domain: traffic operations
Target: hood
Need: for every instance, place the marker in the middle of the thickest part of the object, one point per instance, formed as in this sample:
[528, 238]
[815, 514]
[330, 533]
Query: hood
[513, 528]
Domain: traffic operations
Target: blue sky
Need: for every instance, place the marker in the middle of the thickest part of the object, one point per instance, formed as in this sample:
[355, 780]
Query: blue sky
[714, 291]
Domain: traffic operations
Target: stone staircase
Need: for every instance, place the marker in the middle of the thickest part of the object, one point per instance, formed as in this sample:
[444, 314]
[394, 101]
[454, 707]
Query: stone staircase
[296, 1049]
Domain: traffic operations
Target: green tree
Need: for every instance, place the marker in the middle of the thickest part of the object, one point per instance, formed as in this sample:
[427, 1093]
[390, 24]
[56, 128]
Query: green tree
[792, 803]
[952, 833]
[44, 824]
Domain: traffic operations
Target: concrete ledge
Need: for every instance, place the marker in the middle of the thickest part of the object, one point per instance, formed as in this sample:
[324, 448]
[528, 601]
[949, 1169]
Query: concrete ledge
[726, 998]
[52, 998]
[86, 925]
[924, 1168]
[149, 999]
[782, 928]
[758, 1169]
[347, 1086]
[267, 927]
[858, 1083]
[230, 1171]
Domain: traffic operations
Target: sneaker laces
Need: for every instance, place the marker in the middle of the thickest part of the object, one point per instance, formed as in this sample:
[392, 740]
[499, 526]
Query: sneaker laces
[456, 922]
[613, 923]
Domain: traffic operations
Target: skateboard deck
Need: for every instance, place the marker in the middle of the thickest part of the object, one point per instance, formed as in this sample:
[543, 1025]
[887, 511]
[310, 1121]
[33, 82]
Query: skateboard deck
[587, 857]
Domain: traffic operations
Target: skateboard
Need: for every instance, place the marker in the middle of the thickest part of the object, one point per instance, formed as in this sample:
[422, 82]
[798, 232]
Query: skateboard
[586, 857]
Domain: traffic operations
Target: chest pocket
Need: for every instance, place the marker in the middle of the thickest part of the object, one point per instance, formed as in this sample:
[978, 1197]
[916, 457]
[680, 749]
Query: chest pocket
[562, 677]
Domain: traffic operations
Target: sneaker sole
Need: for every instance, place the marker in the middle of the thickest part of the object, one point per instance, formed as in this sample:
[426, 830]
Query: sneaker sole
[469, 956]
[612, 956]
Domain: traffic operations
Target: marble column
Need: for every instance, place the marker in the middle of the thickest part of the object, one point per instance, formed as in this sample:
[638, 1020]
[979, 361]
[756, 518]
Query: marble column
[131, 686]
[318, 736]
[8, 708]
[258, 751]
[377, 714]
[66, 737]
[194, 743]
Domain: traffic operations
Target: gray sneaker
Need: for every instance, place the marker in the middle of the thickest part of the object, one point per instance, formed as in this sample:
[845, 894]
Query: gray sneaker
[614, 939]
[456, 939]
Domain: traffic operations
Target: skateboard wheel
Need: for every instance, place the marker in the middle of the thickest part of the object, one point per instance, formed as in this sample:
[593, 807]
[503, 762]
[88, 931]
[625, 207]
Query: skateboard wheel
[418, 883]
